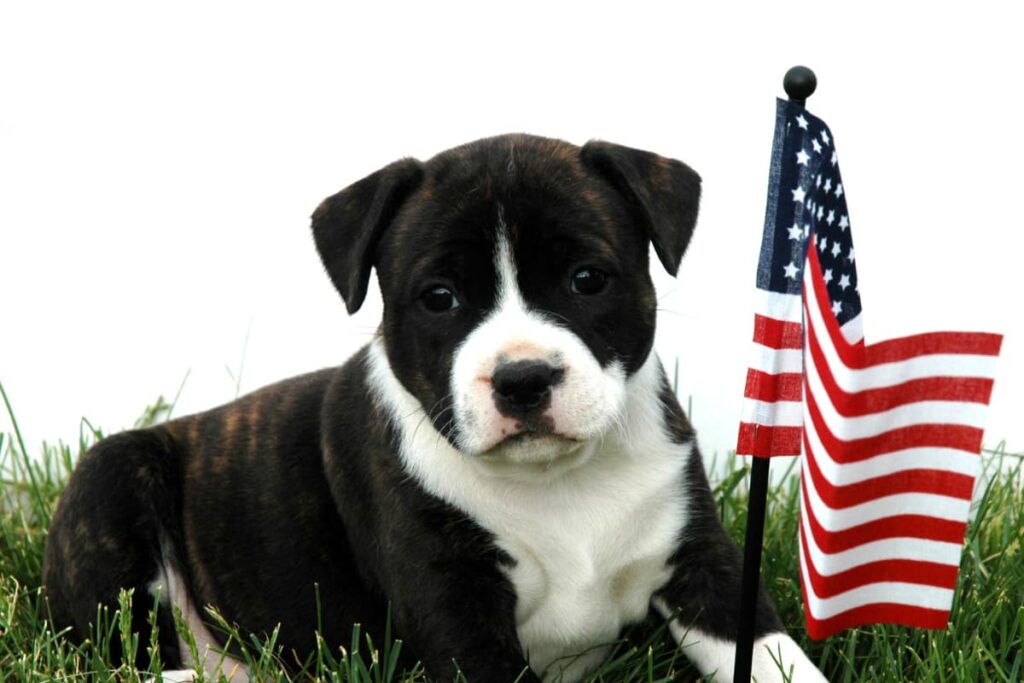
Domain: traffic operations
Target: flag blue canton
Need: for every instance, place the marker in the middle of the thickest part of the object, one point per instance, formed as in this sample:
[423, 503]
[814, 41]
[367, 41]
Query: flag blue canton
[807, 209]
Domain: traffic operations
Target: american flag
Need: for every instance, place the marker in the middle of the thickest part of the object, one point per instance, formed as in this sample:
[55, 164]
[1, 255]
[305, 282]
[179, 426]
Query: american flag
[891, 432]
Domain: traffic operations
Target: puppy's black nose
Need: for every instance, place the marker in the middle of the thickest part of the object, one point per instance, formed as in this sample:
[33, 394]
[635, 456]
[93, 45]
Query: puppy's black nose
[524, 386]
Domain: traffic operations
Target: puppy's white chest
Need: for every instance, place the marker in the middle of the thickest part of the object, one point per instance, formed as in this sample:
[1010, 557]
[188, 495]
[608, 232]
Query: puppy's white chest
[572, 607]
[587, 567]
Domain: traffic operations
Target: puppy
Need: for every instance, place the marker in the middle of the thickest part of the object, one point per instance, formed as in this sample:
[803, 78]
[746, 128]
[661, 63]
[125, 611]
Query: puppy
[504, 467]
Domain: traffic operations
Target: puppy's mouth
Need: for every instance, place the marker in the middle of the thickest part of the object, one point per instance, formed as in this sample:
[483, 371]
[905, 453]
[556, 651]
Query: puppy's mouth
[533, 456]
[528, 435]
[529, 430]
[532, 446]
[528, 438]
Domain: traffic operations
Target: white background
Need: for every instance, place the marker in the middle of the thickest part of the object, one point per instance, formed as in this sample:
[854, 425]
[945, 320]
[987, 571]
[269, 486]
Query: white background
[158, 167]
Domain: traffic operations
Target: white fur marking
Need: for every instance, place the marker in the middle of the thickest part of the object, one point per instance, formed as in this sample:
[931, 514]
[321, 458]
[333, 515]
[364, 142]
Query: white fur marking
[171, 589]
[174, 676]
[777, 657]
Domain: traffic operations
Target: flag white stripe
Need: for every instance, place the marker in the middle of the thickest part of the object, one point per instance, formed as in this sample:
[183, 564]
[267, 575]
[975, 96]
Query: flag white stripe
[925, 504]
[774, 414]
[777, 361]
[853, 329]
[784, 307]
[873, 424]
[920, 367]
[897, 372]
[895, 548]
[912, 594]
[948, 459]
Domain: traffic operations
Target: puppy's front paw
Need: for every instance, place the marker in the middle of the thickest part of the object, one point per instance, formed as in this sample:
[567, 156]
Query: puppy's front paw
[174, 676]
[777, 658]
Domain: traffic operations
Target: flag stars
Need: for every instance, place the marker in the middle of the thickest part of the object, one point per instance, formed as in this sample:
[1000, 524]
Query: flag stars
[831, 218]
[824, 136]
[839, 190]
[828, 275]
[817, 181]
[844, 282]
[796, 232]
[837, 308]
[828, 185]
[835, 159]
[836, 249]
[799, 195]
[802, 122]
[850, 255]
[823, 244]
[821, 212]
[802, 157]
[844, 222]
[791, 270]
[816, 145]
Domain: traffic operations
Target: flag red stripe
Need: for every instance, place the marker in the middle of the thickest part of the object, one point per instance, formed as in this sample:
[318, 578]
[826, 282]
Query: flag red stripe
[905, 571]
[777, 334]
[940, 482]
[896, 526]
[868, 401]
[978, 343]
[915, 436]
[875, 613]
[765, 442]
[763, 386]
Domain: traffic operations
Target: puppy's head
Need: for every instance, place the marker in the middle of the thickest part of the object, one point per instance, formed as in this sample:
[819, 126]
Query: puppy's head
[514, 275]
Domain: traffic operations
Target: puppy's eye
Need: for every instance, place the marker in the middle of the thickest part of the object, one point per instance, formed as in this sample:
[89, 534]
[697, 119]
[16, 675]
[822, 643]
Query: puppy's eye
[588, 281]
[439, 299]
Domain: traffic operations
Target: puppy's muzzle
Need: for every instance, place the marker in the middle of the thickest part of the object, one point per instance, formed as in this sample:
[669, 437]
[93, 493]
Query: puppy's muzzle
[523, 388]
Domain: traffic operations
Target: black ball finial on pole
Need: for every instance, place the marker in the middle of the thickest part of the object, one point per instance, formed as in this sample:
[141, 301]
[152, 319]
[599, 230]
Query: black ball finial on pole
[799, 84]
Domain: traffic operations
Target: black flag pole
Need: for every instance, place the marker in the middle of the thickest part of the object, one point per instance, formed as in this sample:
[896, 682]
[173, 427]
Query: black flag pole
[799, 84]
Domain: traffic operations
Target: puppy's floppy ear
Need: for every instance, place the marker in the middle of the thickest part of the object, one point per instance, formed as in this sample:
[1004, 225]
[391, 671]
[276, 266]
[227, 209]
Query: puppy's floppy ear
[347, 226]
[664, 193]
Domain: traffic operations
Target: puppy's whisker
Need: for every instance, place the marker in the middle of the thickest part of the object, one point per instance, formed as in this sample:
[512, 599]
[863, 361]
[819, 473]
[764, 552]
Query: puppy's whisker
[429, 414]
[559, 316]
[441, 432]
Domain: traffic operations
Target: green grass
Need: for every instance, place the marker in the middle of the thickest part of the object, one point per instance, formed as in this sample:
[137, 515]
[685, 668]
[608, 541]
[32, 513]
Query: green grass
[982, 643]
